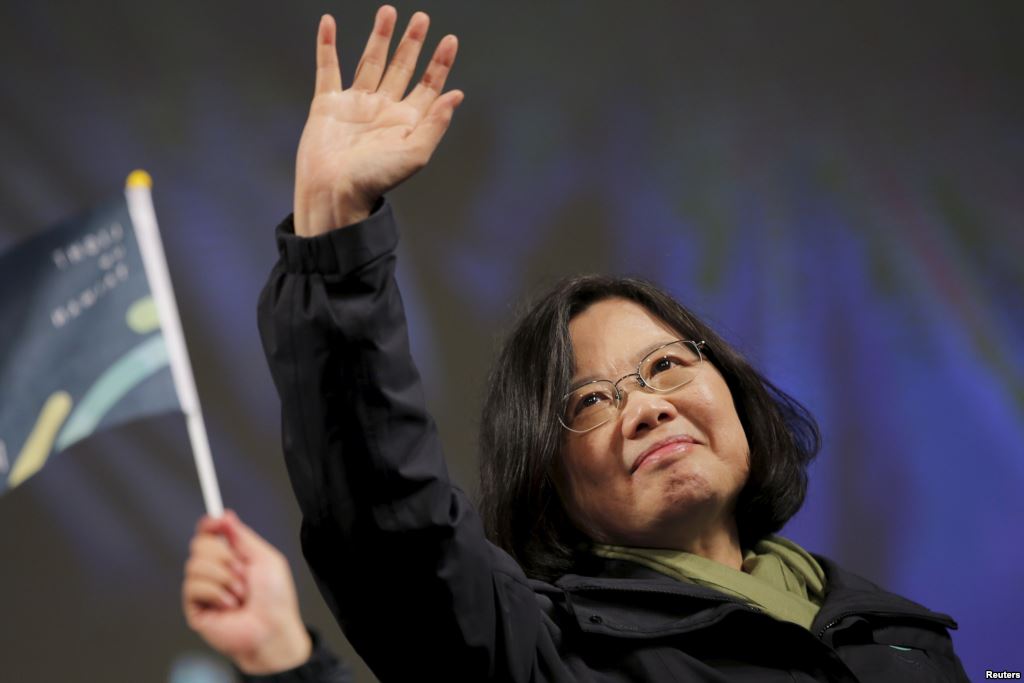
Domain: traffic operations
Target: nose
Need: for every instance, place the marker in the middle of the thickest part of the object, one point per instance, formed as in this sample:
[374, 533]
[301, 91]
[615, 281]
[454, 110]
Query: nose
[643, 410]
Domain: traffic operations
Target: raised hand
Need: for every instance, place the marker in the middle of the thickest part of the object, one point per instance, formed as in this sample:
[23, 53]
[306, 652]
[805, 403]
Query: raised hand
[239, 595]
[362, 141]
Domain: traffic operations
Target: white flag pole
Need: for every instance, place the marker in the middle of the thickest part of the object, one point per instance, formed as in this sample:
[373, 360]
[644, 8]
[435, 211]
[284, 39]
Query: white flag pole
[140, 206]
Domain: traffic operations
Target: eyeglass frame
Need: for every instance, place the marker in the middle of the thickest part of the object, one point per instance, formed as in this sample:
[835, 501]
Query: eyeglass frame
[697, 346]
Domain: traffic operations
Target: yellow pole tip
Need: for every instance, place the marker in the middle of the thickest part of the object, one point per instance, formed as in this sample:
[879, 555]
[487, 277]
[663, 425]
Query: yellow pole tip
[138, 178]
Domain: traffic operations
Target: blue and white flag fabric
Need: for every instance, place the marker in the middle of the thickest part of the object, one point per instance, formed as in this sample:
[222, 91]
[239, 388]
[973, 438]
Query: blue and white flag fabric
[81, 348]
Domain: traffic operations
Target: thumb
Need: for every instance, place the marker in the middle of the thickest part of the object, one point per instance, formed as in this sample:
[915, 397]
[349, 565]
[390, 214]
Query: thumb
[247, 542]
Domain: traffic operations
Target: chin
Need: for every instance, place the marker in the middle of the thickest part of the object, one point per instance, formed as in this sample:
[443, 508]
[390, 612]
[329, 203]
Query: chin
[686, 498]
[686, 487]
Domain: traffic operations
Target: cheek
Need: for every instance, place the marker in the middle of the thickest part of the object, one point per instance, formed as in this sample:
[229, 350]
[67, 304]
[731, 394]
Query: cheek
[571, 476]
[588, 459]
[712, 410]
[587, 482]
[736, 451]
[717, 410]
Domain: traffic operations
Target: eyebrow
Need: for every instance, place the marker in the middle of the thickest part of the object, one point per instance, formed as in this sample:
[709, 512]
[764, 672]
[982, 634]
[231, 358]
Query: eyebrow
[577, 382]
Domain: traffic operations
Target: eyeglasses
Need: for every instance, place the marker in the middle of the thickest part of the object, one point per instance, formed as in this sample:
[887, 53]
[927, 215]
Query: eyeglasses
[664, 369]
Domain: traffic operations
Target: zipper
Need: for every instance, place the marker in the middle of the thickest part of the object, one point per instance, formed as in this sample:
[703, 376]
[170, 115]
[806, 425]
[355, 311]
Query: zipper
[948, 623]
[821, 633]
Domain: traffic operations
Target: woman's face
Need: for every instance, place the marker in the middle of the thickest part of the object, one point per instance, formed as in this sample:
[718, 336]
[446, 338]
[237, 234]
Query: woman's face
[666, 471]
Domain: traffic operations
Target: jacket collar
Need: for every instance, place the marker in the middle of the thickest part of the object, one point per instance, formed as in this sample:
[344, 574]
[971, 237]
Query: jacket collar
[847, 593]
[607, 592]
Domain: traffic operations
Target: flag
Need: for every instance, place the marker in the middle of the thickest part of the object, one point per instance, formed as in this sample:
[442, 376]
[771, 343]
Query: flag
[81, 345]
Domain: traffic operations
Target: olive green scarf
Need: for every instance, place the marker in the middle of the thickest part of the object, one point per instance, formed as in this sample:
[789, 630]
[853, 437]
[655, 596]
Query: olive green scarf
[778, 576]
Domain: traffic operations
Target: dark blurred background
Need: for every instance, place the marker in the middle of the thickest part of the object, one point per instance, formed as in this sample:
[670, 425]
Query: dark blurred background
[835, 186]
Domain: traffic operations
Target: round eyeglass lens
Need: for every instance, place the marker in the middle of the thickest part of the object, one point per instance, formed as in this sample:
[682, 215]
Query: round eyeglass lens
[671, 366]
[589, 405]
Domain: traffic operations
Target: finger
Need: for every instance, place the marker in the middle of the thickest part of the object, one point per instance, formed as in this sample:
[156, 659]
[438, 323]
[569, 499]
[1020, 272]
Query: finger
[328, 73]
[210, 571]
[209, 525]
[211, 546]
[375, 55]
[403, 63]
[199, 594]
[244, 540]
[432, 83]
[216, 548]
[428, 133]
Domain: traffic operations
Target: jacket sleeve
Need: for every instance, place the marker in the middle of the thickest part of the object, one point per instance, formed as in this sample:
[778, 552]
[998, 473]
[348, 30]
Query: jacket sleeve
[398, 552]
[321, 667]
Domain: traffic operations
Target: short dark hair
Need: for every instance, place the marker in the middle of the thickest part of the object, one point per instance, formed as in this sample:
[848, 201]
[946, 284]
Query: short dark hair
[520, 435]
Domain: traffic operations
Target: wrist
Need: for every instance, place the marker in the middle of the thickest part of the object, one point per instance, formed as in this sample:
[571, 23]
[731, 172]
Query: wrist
[281, 652]
[319, 214]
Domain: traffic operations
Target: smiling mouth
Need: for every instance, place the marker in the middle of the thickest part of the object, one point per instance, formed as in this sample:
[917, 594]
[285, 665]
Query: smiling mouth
[670, 444]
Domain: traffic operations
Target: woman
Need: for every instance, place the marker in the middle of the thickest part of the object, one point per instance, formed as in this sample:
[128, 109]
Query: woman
[633, 464]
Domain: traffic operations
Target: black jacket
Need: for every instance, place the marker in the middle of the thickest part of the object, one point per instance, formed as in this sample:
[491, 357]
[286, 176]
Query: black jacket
[321, 667]
[400, 555]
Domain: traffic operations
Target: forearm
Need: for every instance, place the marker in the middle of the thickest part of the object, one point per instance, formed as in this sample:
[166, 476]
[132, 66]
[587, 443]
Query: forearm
[355, 425]
[380, 516]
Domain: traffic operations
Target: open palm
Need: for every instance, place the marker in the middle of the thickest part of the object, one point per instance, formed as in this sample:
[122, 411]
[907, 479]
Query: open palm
[362, 141]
